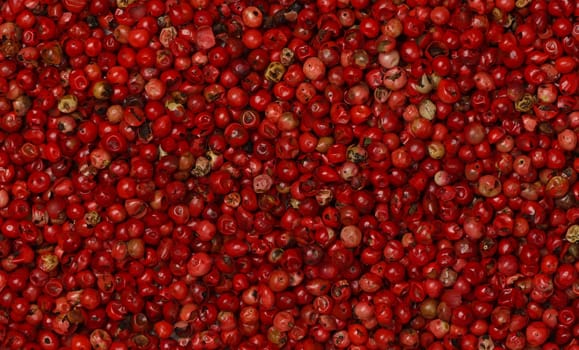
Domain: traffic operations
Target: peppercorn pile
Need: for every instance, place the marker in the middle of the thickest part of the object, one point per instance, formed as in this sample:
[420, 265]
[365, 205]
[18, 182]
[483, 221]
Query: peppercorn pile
[295, 174]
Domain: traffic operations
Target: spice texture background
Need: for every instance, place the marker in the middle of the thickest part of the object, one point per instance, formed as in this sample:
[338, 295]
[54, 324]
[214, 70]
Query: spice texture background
[289, 174]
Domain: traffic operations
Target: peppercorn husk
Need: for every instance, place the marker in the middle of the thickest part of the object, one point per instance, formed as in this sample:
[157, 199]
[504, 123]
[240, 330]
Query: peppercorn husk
[525, 104]
[427, 109]
[102, 90]
[356, 154]
[287, 56]
[68, 104]
[486, 343]
[572, 234]
[124, 3]
[522, 3]
[274, 72]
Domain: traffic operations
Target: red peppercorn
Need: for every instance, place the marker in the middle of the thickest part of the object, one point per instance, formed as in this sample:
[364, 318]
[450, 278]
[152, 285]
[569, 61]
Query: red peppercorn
[347, 174]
